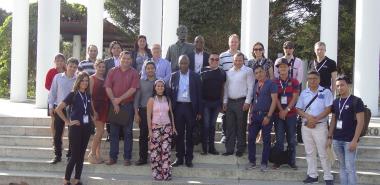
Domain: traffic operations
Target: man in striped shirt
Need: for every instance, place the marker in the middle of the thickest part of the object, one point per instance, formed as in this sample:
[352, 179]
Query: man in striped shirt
[88, 65]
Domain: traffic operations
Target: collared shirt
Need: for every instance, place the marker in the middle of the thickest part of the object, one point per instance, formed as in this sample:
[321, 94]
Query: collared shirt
[116, 61]
[227, 60]
[61, 87]
[287, 88]
[323, 101]
[239, 84]
[295, 68]
[144, 93]
[80, 105]
[183, 89]
[163, 70]
[121, 81]
[87, 66]
[176, 50]
[198, 62]
[262, 95]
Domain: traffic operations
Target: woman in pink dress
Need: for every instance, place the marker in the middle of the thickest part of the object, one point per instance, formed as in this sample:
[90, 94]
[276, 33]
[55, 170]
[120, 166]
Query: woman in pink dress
[161, 128]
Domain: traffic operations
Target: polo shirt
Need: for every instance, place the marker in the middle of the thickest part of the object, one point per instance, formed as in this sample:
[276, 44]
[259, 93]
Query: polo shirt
[227, 60]
[121, 81]
[324, 68]
[163, 69]
[262, 98]
[87, 66]
[348, 117]
[324, 100]
[212, 83]
[287, 88]
[77, 102]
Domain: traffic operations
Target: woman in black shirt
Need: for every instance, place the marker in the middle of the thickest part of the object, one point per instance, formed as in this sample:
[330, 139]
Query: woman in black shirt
[78, 103]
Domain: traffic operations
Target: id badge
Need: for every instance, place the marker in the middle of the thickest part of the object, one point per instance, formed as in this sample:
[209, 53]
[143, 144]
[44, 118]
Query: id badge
[184, 94]
[339, 124]
[284, 100]
[85, 119]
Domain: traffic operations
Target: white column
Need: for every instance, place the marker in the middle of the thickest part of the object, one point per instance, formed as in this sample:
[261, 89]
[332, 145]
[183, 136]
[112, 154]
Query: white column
[19, 58]
[95, 11]
[367, 46]
[243, 29]
[47, 44]
[77, 46]
[257, 24]
[170, 21]
[329, 27]
[151, 20]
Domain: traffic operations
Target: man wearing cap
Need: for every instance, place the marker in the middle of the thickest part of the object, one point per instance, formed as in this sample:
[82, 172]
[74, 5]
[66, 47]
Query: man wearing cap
[286, 116]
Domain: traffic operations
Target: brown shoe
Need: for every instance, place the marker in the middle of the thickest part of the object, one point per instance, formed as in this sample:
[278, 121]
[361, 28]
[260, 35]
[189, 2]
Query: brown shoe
[111, 162]
[127, 162]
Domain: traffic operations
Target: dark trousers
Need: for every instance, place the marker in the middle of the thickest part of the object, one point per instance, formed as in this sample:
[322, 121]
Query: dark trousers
[287, 126]
[236, 125]
[143, 138]
[253, 130]
[184, 118]
[78, 137]
[59, 126]
[210, 114]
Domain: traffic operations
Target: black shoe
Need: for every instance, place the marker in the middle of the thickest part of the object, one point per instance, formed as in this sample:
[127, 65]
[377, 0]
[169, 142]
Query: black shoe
[310, 180]
[293, 166]
[68, 158]
[227, 153]
[140, 162]
[56, 160]
[204, 153]
[189, 164]
[213, 152]
[177, 163]
[239, 154]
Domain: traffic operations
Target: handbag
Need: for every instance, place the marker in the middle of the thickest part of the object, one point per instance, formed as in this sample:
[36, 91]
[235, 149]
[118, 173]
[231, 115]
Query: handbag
[120, 118]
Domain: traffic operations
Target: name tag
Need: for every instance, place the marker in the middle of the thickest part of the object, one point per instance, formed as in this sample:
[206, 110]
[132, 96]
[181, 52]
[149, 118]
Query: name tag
[85, 119]
[185, 94]
[339, 124]
[284, 100]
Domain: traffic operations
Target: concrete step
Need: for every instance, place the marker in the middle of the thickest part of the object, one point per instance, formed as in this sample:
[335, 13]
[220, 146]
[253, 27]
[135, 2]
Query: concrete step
[215, 171]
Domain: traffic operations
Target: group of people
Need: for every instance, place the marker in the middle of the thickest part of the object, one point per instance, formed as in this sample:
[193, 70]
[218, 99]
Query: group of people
[168, 96]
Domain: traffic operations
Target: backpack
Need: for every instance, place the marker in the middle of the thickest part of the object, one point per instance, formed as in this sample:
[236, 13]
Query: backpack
[367, 116]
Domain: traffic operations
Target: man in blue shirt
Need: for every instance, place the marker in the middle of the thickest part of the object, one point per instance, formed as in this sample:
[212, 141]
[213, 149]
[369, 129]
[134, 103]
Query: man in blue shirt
[346, 125]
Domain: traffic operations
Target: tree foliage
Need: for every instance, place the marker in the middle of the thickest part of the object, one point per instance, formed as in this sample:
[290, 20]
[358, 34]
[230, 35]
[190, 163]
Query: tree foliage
[5, 56]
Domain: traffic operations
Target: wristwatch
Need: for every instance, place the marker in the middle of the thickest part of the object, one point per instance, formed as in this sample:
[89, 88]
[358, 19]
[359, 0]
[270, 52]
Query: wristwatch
[288, 109]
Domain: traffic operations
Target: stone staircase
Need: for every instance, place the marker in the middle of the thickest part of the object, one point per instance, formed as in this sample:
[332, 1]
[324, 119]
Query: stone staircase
[25, 150]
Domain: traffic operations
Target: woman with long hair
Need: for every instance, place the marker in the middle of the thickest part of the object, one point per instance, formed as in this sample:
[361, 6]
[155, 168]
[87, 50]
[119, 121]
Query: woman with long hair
[80, 122]
[259, 59]
[140, 53]
[161, 128]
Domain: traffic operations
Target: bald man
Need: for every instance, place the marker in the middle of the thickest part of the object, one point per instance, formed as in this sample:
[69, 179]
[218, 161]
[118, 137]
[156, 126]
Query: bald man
[199, 57]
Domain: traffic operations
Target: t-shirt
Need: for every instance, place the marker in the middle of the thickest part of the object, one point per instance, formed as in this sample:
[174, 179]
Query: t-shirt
[77, 102]
[49, 77]
[287, 88]
[212, 83]
[348, 117]
[324, 68]
[87, 66]
[262, 98]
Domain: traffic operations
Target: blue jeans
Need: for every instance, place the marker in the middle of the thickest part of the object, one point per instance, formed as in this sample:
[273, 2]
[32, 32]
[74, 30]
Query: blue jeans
[128, 138]
[347, 163]
[210, 114]
[253, 130]
[287, 126]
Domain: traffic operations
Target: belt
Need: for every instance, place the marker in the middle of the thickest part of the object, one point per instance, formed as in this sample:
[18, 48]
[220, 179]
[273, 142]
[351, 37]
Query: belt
[259, 112]
[184, 103]
[237, 99]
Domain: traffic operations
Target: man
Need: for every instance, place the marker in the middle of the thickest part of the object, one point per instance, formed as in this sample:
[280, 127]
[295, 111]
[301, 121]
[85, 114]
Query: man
[213, 79]
[88, 65]
[346, 125]
[163, 68]
[296, 64]
[198, 58]
[114, 61]
[181, 47]
[286, 116]
[186, 94]
[140, 103]
[236, 102]
[226, 63]
[314, 127]
[121, 85]
[60, 88]
[262, 109]
[325, 66]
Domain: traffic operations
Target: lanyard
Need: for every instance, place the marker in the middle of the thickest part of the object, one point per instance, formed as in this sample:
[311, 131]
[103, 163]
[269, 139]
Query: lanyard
[341, 109]
[284, 87]
[315, 66]
[84, 101]
[258, 89]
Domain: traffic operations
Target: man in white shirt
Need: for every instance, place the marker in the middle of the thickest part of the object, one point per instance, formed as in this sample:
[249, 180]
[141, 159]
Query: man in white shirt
[236, 102]
[199, 57]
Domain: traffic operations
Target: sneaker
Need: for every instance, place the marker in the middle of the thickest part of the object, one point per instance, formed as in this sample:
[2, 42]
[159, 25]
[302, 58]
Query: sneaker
[263, 168]
[329, 182]
[275, 166]
[251, 166]
[310, 180]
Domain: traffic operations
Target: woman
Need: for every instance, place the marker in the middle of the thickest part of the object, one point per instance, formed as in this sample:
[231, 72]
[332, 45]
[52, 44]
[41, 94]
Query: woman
[140, 53]
[260, 60]
[100, 105]
[161, 128]
[80, 122]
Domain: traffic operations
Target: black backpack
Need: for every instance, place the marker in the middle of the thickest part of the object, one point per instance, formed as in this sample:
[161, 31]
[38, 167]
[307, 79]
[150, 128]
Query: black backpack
[367, 116]
[278, 157]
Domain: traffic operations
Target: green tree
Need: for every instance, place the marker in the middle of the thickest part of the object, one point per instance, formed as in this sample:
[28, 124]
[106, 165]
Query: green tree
[3, 15]
[5, 56]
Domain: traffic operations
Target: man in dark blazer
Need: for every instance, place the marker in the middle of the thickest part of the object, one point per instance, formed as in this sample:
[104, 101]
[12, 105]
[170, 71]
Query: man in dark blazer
[186, 94]
[113, 61]
[198, 58]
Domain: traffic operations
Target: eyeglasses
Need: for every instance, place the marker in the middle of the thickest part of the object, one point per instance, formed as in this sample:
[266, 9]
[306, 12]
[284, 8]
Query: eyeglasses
[258, 49]
[214, 59]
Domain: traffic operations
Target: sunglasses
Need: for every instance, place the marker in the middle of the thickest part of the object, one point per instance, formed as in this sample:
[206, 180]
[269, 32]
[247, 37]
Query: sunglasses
[258, 49]
[214, 59]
